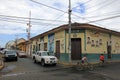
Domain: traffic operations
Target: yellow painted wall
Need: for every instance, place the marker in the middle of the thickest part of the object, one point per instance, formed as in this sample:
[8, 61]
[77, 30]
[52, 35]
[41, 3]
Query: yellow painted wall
[60, 36]
[46, 39]
[33, 43]
[115, 44]
[75, 35]
[38, 42]
[86, 47]
[96, 37]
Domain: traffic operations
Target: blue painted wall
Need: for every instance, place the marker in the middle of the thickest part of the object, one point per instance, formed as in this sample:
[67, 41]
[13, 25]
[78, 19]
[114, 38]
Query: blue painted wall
[91, 57]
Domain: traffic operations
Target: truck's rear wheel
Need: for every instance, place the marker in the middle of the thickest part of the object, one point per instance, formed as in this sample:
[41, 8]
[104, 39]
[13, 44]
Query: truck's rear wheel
[54, 64]
[35, 61]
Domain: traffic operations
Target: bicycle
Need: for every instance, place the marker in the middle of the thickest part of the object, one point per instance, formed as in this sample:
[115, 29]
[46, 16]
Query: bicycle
[86, 66]
[102, 64]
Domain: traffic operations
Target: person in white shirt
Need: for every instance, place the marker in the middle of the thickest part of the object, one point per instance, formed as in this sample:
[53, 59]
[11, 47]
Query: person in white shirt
[84, 59]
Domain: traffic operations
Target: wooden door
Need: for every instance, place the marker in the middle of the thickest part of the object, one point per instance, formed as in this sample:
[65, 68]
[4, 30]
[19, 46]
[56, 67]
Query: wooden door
[76, 49]
[108, 51]
[45, 46]
[57, 54]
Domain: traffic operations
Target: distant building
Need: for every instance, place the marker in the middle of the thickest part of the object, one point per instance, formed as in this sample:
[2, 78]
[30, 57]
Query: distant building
[14, 44]
[10, 45]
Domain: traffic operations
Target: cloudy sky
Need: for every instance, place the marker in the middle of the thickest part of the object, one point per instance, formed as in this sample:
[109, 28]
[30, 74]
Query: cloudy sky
[48, 14]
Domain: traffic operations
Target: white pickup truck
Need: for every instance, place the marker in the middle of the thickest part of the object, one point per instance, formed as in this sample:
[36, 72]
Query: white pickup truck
[44, 58]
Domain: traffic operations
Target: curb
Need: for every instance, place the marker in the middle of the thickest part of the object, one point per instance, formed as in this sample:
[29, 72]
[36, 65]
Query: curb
[93, 63]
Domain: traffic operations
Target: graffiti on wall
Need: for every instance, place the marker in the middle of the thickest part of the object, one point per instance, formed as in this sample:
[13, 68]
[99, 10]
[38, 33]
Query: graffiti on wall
[117, 47]
[62, 44]
[51, 42]
[94, 43]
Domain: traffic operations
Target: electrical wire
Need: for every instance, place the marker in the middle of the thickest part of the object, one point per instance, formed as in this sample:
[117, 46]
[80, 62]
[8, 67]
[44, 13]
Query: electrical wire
[66, 12]
[103, 15]
[26, 18]
[53, 8]
[103, 6]
[87, 2]
[59, 16]
[84, 3]
[93, 6]
[104, 19]
[11, 21]
[48, 6]
[24, 22]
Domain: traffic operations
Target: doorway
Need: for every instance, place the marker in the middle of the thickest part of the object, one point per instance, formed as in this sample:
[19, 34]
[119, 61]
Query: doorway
[57, 54]
[76, 49]
[108, 51]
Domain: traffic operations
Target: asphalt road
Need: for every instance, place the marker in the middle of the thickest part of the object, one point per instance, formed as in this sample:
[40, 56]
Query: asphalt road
[26, 69]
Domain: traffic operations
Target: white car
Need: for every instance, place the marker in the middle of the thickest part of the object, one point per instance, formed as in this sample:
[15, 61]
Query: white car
[22, 54]
[44, 58]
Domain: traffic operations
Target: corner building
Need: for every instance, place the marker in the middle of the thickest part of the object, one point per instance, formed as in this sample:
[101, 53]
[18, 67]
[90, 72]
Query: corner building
[86, 39]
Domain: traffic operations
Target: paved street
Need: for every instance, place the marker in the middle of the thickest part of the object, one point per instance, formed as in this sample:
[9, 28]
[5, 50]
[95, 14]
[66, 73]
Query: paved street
[25, 69]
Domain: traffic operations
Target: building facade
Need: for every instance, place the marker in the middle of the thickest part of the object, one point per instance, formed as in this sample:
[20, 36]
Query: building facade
[86, 39]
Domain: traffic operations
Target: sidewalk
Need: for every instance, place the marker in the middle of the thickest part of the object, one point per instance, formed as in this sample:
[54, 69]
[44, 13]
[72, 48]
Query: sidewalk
[67, 64]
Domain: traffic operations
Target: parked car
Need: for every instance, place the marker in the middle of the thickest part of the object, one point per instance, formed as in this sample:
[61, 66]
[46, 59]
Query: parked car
[22, 54]
[3, 51]
[33, 55]
[10, 55]
[44, 58]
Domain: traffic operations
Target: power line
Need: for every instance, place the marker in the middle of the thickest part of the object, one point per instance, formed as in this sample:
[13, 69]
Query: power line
[66, 12]
[51, 7]
[26, 18]
[103, 6]
[104, 19]
[93, 6]
[59, 16]
[95, 21]
[87, 1]
[84, 3]
[48, 6]
[19, 20]
[12, 21]
[102, 15]
[22, 22]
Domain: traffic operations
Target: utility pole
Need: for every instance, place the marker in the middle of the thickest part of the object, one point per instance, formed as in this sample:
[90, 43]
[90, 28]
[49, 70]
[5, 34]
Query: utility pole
[16, 41]
[69, 17]
[28, 31]
[29, 25]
